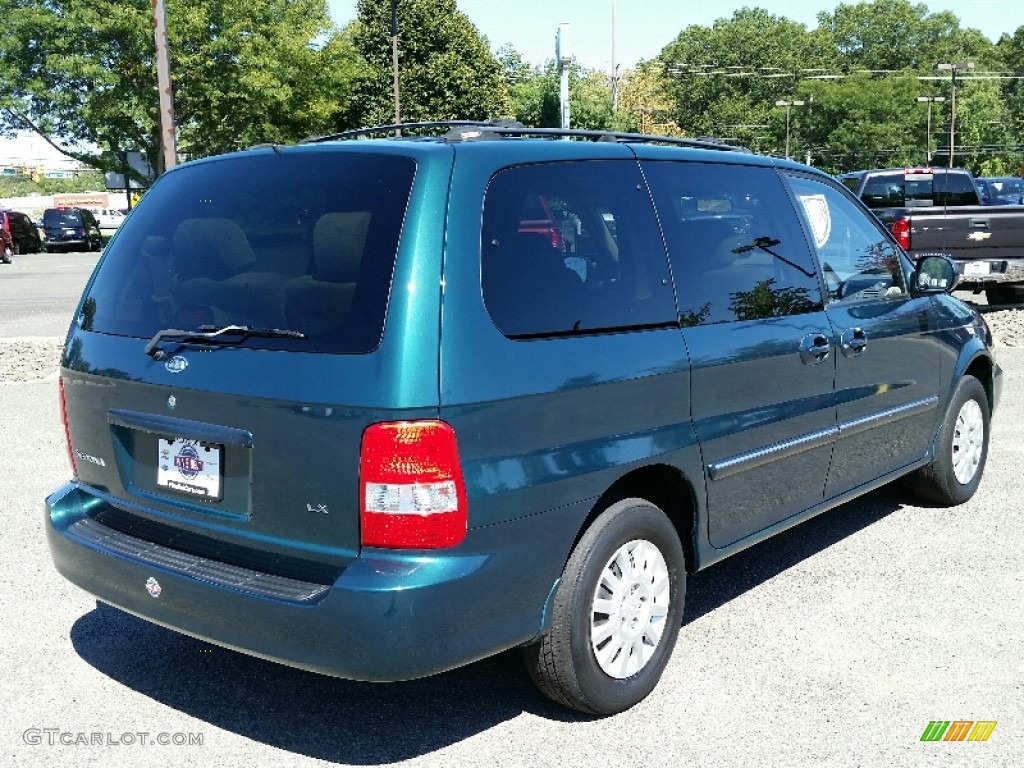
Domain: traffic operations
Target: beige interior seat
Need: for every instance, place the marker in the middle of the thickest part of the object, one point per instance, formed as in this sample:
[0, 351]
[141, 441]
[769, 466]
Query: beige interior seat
[318, 303]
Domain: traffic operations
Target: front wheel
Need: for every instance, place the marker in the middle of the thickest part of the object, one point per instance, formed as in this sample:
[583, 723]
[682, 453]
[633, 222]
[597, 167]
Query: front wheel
[961, 449]
[7, 256]
[616, 612]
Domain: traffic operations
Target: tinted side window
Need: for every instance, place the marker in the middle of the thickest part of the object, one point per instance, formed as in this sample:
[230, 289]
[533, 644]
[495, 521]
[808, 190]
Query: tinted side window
[573, 247]
[955, 189]
[885, 190]
[857, 259]
[735, 243]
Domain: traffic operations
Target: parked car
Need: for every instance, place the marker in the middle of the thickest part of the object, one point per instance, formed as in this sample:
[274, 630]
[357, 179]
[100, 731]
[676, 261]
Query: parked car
[1000, 190]
[6, 248]
[939, 211]
[22, 235]
[71, 229]
[108, 218]
[380, 428]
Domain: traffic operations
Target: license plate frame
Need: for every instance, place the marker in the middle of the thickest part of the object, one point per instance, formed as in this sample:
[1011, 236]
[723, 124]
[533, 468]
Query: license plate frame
[192, 468]
[977, 269]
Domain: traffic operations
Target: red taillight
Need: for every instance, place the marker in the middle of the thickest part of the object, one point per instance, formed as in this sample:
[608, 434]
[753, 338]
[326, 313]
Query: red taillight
[556, 240]
[411, 493]
[900, 229]
[67, 432]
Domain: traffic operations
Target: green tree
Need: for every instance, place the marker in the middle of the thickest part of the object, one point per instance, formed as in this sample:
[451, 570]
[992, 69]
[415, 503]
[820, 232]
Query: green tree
[730, 75]
[535, 101]
[242, 72]
[447, 71]
[864, 121]
[643, 98]
[894, 35]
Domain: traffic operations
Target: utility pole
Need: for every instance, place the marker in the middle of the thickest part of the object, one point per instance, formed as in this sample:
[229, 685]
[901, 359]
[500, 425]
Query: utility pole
[563, 56]
[953, 69]
[788, 105]
[394, 63]
[163, 81]
[615, 68]
[928, 129]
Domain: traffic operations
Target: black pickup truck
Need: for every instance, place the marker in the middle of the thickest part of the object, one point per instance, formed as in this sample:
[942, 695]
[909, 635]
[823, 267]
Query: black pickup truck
[938, 211]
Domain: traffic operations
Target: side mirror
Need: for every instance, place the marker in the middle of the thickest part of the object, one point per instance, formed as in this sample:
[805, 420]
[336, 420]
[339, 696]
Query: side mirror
[936, 274]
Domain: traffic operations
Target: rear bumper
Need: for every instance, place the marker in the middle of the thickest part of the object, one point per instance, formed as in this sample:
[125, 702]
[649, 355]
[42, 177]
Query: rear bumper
[1000, 271]
[389, 616]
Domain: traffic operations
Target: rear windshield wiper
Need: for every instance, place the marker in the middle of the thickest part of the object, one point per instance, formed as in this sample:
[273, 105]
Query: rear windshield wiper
[217, 335]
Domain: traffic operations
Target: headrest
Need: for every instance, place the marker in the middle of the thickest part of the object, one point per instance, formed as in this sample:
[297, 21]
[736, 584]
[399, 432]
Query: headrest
[214, 248]
[339, 240]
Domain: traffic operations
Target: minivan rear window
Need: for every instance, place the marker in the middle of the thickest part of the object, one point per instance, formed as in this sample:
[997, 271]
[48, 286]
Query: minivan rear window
[55, 217]
[299, 240]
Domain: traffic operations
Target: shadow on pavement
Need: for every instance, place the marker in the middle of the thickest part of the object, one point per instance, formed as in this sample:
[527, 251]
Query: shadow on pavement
[730, 578]
[368, 723]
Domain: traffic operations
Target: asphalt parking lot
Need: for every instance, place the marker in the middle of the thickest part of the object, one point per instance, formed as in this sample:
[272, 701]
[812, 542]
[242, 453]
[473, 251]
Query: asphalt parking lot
[834, 644]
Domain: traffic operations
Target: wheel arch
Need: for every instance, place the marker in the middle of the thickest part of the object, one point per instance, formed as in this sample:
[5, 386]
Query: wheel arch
[665, 487]
[981, 368]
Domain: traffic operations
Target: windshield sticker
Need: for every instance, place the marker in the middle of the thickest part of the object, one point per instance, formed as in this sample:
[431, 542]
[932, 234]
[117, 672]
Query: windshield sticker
[818, 216]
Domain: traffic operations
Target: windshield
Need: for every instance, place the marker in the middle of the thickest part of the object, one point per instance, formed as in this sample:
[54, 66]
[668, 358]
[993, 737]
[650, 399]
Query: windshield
[301, 240]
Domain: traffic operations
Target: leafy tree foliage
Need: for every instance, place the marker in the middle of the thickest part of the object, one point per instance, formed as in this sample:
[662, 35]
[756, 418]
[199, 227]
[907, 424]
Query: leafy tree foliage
[859, 74]
[277, 70]
[729, 75]
[18, 185]
[242, 72]
[447, 71]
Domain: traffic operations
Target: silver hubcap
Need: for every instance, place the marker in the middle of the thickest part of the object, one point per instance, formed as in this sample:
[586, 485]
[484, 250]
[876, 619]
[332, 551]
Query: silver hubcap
[968, 440]
[630, 608]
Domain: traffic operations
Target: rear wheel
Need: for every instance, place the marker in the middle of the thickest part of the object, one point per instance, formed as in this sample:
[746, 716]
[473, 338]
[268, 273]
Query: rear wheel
[961, 450]
[616, 612]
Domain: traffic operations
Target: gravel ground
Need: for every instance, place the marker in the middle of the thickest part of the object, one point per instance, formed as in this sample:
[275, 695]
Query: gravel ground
[35, 359]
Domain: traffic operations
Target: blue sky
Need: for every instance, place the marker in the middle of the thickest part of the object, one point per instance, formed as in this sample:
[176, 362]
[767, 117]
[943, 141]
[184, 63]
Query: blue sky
[644, 27]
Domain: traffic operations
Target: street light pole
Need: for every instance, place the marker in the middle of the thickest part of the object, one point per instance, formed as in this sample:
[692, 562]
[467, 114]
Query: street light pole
[928, 129]
[394, 63]
[563, 58]
[615, 68]
[788, 105]
[953, 69]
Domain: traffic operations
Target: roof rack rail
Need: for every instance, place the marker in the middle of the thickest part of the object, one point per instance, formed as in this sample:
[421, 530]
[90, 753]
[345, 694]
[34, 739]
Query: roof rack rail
[472, 130]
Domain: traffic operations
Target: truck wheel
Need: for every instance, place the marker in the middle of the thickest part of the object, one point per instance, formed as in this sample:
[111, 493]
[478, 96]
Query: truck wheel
[615, 614]
[961, 448]
[998, 295]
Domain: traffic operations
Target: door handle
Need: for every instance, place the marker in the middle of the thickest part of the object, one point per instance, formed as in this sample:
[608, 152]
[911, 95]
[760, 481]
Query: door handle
[852, 342]
[814, 348]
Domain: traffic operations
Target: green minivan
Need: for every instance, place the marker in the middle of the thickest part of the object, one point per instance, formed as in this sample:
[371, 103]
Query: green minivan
[346, 405]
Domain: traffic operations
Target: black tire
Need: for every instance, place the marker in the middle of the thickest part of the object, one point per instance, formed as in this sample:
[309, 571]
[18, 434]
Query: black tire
[999, 295]
[564, 663]
[7, 256]
[17, 249]
[958, 444]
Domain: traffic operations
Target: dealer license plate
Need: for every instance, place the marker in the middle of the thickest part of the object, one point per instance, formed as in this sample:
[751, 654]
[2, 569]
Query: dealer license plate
[190, 467]
[977, 269]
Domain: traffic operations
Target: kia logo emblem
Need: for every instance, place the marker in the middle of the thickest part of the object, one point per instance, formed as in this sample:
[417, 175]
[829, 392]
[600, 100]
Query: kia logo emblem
[176, 364]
